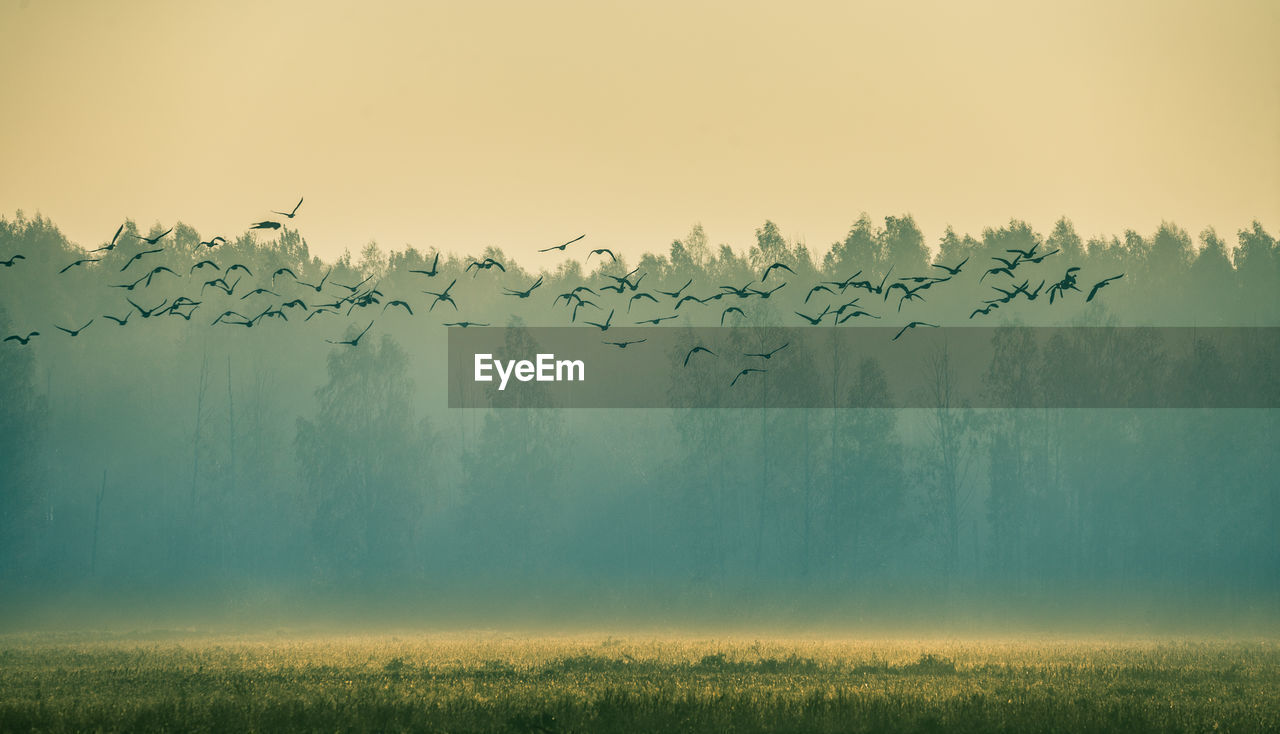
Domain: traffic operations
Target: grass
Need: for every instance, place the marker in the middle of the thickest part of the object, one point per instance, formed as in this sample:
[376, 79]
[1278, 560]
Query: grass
[483, 683]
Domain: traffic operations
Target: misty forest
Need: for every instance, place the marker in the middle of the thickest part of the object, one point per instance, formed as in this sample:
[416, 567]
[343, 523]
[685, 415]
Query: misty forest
[166, 457]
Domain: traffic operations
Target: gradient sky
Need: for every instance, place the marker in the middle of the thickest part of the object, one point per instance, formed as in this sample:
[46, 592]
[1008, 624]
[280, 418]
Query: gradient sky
[520, 124]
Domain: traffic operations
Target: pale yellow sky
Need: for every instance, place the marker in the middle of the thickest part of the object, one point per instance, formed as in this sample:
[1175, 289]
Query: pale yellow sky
[524, 124]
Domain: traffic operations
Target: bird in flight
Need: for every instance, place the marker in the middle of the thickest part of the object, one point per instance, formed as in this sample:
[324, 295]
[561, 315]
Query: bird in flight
[694, 351]
[603, 251]
[464, 324]
[82, 261]
[484, 264]
[73, 332]
[911, 325]
[773, 267]
[351, 342]
[766, 294]
[686, 299]
[266, 224]
[120, 322]
[768, 355]
[561, 247]
[443, 296]
[659, 319]
[729, 310]
[580, 304]
[156, 271]
[203, 264]
[816, 288]
[282, 271]
[146, 313]
[676, 293]
[154, 240]
[815, 320]
[744, 373]
[214, 242]
[605, 325]
[435, 268]
[9, 263]
[524, 293]
[389, 304]
[625, 344]
[319, 285]
[22, 340]
[985, 311]
[638, 297]
[853, 315]
[1100, 285]
[291, 213]
[139, 256]
[112, 244]
[951, 271]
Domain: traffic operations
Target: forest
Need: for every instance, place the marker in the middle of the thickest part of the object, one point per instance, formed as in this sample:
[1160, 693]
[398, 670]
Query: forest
[181, 463]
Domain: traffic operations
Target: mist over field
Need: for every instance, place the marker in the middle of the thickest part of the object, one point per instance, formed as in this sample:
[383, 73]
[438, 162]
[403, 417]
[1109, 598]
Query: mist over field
[170, 472]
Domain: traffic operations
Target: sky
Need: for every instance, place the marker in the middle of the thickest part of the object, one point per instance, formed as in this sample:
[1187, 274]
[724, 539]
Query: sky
[522, 125]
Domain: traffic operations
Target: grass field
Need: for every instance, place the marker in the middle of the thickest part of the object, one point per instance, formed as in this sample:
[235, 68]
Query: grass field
[490, 682]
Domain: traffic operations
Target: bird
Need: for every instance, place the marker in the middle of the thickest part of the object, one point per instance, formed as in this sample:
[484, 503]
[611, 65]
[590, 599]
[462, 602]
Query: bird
[1068, 283]
[1023, 254]
[853, 315]
[352, 342]
[292, 212]
[484, 264]
[816, 288]
[401, 304]
[676, 293]
[120, 322]
[9, 263]
[320, 285]
[266, 224]
[625, 344]
[659, 319]
[686, 299]
[1100, 285]
[773, 267]
[81, 261]
[297, 303]
[435, 268]
[767, 355]
[211, 243]
[464, 324]
[22, 340]
[524, 293]
[843, 285]
[744, 373]
[580, 304]
[258, 292]
[156, 271]
[952, 271]
[282, 271]
[605, 325]
[603, 251]
[815, 320]
[112, 244]
[640, 296]
[729, 310]
[146, 313]
[1039, 258]
[238, 266]
[739, 292]
[139, 256]
[694, 351]
[443, 296]
[911, 325]
[909, 296]
[204, 264]
[154, 240]
[561, 247]
[317, 312]
[226, 314]
[354, 288]
[129, 286]
[766, 294]
[985, 311]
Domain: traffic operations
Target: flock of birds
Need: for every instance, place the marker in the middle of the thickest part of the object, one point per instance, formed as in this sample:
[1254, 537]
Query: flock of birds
[340, 298]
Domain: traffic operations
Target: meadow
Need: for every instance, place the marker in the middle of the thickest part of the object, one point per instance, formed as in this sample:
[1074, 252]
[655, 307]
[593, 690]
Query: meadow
[490, 682]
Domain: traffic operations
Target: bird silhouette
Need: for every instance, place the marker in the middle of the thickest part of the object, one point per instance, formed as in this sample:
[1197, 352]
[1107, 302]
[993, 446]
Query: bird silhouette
[320, 285]
[686, 299]
[770, 292]
[985, 311]
[484, 264]
[443, 297]
[1100, 285]
[282, 271]
[297, 303]
[464, 324]
[1040, 258]
[81, 261]
[291, 213]
[853, 315]
[154, 240]
[605, 325]
[139, 256]
[204, 264]
[352, 342]
[157, 270]
[357, 286]
[815, 320]
[952, 271]
[112, 244]
[401, 304]
[13, 259]
[259, 292]
[637, 297]
[580, 304]
[211, 243]
[676, 293]
[729, 310]
[146, 312]
[911, 325]
[744, 373]
[659, 319]
[694, 351]
[129, 286]
[22, 340]
[266, 224]
[561, 247]
[817, 288]
[773, 267]
[625, 344]
[73, 332]
[227, 314]
[603, 251]
[524, 293]
[435, 268]
[767, 355]
[120, 322]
